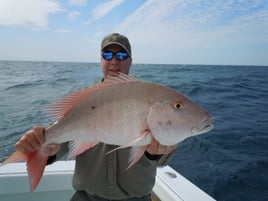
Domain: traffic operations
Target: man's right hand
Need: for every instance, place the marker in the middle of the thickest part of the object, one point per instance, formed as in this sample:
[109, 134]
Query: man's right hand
[33, 140]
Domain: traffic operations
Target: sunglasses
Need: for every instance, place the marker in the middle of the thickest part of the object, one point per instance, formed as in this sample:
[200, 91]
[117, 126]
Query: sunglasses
[107, 55]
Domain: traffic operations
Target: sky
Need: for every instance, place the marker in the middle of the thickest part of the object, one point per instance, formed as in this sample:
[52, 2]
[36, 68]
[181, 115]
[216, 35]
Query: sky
[213, 32]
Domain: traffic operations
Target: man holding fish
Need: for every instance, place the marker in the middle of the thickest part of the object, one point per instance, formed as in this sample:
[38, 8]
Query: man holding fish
[119, 130]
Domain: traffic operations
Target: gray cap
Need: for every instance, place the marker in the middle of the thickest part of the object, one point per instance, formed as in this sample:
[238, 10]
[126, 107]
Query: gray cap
[118, 39]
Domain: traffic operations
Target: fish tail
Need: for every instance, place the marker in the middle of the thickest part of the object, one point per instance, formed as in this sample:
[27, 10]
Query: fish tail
[36, 164]
[16, 156]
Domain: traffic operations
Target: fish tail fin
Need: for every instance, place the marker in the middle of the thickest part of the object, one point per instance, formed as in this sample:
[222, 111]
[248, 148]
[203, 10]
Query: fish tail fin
[16, 156]
[36, 164]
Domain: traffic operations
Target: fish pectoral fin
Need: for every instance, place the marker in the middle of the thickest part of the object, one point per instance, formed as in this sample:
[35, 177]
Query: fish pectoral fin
[138, 147]
[135, 154]
[144, 139]
[77, 148]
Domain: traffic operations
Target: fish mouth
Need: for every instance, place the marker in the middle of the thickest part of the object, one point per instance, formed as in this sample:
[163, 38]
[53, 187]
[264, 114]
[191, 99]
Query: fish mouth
[203, 127]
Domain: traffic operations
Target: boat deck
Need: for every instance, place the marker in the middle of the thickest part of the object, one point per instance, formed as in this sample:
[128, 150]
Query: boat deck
[56, 184]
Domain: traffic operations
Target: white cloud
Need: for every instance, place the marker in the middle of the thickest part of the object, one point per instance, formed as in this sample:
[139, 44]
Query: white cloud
[73, 15]
[103, 9]
[189, 22]
[153, 22]
[190, 28]
[62, 30]
[27, 12]
[78, 2]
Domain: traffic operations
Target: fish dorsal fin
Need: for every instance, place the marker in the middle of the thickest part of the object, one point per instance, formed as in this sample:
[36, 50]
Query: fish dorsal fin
[121, 78]
[63, 105]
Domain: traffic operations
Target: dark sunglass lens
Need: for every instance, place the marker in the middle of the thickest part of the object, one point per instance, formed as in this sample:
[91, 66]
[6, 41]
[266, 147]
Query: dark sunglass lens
[121, 55]
[107, 55]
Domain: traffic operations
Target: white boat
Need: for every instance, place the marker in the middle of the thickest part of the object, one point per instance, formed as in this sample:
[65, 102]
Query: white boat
[56, 184]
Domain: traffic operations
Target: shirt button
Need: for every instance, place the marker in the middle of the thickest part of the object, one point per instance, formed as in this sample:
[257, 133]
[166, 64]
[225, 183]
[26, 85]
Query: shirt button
[111, 186]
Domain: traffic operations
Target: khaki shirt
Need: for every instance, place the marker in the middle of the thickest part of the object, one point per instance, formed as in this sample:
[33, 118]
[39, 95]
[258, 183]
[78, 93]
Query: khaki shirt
[106, 175]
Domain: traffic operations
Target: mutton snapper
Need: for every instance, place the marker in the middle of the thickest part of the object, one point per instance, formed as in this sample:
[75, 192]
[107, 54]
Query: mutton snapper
[122, 111]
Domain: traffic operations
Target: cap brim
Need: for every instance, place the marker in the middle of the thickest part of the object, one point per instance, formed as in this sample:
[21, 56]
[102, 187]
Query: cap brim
[116, 43]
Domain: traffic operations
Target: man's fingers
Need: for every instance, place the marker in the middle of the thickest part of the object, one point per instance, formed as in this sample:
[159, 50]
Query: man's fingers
[32, 140]
[52, 149]
[156, 148]
[39, 132]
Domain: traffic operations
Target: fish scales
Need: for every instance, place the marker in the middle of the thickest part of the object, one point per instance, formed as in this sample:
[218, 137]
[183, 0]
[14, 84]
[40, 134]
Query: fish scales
[95, 119]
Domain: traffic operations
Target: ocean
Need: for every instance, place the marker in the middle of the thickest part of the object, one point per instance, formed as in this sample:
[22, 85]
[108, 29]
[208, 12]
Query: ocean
[230, 162]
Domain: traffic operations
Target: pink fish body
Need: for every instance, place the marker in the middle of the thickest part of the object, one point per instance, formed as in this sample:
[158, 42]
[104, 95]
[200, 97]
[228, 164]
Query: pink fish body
[121, 111]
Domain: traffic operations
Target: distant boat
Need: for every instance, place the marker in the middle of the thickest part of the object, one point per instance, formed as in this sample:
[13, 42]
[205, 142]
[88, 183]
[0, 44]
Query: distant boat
[56, 184]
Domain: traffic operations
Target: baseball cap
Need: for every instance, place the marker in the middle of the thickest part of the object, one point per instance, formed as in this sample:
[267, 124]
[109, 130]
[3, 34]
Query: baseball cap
[118, 39]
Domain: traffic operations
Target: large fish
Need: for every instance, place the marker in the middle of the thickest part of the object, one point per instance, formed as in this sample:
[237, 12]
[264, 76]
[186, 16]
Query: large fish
[121, 111]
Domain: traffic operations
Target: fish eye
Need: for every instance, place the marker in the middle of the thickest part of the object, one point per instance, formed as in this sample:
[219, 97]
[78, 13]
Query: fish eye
[177, 105]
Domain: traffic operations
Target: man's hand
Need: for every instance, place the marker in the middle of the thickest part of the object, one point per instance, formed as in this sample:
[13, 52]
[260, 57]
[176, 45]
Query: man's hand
[32, 141]
[155, 148]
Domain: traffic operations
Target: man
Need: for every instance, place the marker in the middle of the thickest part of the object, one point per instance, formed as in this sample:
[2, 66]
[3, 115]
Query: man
[101, 176]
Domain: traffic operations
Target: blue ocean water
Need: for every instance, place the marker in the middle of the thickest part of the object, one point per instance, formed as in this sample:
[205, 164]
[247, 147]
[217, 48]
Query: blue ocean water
[230, 163]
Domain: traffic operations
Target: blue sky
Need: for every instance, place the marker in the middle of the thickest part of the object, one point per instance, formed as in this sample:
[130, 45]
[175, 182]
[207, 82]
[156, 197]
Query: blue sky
[233, 32]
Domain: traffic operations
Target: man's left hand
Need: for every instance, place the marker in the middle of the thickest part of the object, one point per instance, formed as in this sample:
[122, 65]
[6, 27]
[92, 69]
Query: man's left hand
[155, 148]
